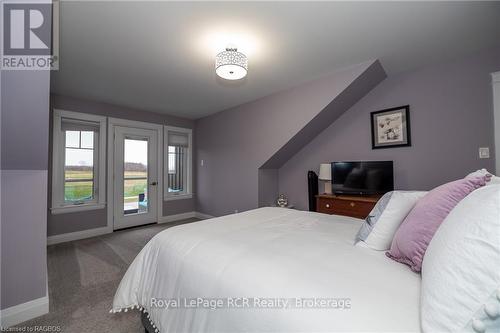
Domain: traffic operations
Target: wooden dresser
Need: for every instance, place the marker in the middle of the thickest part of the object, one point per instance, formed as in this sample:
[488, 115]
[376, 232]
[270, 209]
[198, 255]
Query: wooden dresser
[347, 205]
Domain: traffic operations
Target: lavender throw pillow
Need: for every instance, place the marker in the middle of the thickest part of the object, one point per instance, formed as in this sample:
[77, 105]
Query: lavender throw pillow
[418, 228]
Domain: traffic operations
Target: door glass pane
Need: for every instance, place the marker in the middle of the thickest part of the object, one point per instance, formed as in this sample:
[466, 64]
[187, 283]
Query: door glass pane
[135, 176]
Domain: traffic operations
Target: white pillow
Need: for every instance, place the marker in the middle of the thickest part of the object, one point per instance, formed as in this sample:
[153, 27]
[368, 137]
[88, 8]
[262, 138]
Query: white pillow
[494, 180]
[461, 267]
[384, 220]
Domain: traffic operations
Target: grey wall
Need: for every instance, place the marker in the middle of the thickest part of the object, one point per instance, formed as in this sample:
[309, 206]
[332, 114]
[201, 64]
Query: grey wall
[268, 186]
[451, 117]
[78, 221]
[24, 146]
[236, 142]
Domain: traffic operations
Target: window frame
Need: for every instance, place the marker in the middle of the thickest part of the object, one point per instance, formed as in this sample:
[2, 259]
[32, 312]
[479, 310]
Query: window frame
[95, 167]
[59, 206]
[188, 194]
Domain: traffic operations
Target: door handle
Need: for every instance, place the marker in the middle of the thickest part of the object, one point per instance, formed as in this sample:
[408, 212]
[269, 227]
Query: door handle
[153, 184]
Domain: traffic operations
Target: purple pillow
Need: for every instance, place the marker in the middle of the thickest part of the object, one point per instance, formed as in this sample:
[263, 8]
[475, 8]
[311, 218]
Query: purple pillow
[418, 228]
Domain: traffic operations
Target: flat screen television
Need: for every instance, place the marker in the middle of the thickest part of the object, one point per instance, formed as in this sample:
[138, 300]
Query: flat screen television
[370, 177]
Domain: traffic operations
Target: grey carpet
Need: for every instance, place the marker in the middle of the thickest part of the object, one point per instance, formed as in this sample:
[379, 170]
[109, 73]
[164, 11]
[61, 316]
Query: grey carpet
[83, 277]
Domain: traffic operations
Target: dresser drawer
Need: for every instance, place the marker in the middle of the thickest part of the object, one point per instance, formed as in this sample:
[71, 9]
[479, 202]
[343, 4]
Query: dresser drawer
[358, 207]
[325, 206]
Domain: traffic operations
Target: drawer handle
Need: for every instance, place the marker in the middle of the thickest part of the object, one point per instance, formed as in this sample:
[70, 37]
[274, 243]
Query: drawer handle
[327, 205]
[353, 204]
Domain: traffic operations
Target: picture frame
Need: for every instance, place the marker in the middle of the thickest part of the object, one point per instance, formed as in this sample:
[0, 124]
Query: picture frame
[391, 127]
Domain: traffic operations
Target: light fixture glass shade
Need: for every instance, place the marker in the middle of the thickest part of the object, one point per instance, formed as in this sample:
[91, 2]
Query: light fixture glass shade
[231, 64]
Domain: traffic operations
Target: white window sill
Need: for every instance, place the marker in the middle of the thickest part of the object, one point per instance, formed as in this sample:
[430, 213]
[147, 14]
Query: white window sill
[77, 208]
[172, 197]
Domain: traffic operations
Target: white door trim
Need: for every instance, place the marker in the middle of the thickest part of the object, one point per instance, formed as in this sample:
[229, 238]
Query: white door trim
[112, 122]
[496, 118]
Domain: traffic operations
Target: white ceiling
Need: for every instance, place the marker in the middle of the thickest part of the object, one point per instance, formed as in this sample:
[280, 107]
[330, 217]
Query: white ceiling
[159, 56]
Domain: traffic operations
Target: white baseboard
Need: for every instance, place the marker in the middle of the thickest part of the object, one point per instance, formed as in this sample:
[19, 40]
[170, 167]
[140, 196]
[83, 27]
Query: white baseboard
[25, 311]
[71, 236]
[176, 217]
[203, 216]
[183, 216]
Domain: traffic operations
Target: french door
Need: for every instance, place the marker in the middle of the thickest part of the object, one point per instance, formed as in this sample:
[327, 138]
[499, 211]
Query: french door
[135, 169]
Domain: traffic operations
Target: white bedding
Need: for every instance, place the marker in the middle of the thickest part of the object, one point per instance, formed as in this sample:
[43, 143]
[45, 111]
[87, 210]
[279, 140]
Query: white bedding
[270, 253]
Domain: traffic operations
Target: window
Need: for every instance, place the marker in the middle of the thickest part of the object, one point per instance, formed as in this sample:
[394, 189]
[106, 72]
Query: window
[178, 152]
[172, 160]
[78, 162]
[79, 156]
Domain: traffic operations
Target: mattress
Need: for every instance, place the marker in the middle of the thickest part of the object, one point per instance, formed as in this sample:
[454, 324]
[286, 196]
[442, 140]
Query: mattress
[188, 278]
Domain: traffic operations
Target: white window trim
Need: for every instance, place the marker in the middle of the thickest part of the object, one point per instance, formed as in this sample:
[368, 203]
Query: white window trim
[58, 206]
[170, 196]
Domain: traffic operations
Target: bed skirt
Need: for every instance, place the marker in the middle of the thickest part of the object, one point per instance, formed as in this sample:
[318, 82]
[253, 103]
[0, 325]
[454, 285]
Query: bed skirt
[148, 326]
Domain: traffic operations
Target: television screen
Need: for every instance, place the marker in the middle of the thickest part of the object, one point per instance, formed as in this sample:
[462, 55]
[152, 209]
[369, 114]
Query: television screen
[373, 177]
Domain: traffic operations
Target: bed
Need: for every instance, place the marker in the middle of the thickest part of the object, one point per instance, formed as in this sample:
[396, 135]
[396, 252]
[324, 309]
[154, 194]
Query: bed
[263, 255]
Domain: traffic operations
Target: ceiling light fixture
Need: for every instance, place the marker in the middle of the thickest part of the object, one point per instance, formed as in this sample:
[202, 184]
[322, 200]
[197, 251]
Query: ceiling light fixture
[231, 64]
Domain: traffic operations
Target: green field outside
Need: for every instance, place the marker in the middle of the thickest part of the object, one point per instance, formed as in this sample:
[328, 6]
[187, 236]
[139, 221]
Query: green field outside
[71, 174]
[77, 191]
[132, 189]
[82, 190]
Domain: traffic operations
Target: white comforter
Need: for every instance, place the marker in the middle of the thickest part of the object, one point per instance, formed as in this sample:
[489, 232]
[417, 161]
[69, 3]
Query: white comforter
[269, 253]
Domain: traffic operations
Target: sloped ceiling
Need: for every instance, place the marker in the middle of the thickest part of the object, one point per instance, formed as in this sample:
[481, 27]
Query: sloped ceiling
[159, 56]
[234, 144]
[358, 88]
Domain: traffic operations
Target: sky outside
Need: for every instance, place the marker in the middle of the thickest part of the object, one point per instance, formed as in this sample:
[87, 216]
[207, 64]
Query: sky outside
[79, 149]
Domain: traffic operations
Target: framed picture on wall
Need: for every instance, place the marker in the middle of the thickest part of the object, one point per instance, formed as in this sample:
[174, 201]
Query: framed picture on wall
[391, 127]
